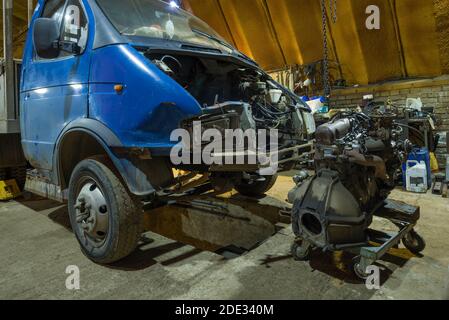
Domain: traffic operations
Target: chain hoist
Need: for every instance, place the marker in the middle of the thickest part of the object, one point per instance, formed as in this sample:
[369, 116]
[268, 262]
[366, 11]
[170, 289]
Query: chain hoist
[333, 10]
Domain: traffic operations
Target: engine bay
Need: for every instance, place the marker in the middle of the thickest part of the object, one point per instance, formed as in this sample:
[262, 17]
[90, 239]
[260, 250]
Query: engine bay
[214, 82]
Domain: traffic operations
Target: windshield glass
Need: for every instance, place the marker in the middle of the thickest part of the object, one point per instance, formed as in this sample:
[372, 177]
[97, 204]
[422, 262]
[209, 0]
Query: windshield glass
[160, 20]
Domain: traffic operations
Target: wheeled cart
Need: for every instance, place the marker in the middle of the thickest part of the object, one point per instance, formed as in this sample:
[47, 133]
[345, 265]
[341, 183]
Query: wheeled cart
[378, 243]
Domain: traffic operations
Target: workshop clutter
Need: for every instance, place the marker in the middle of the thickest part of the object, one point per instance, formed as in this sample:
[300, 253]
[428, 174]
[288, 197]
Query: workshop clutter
[419, 125]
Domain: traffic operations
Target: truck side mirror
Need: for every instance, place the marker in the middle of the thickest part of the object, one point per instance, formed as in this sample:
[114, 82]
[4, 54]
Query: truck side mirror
[46, 38]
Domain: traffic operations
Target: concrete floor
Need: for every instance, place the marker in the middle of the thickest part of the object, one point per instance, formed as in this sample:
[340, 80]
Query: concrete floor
[37, 245]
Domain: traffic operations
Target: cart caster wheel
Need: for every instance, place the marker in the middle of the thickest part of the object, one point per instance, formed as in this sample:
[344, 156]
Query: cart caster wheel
[414, 242]
[358, 270]
[301, 251]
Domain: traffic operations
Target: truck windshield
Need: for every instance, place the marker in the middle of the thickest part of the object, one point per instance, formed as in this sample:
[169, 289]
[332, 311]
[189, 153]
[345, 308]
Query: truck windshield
[160, 20]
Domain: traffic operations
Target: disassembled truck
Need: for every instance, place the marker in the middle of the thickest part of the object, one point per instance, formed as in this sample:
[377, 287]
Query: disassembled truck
[103, 85]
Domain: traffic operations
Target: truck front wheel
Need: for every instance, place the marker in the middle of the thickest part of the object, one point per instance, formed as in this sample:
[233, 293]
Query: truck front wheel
[105, 219]
[256, 188]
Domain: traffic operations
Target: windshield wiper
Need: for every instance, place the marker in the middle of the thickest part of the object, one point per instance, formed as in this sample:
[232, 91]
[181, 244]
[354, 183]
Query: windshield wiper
[209, 36]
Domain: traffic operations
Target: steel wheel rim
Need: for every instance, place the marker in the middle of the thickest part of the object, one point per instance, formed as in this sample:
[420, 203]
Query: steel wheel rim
[92, 211]
[411, 240]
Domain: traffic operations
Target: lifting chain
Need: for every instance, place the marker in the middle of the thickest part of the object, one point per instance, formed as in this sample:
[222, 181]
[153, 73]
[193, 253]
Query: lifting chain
[333, 10]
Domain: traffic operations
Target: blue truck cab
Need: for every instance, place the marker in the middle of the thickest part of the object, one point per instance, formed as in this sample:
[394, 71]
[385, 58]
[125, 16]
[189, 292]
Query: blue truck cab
[104, 83]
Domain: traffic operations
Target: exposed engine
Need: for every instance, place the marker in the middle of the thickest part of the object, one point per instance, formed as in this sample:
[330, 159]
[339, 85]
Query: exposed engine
[223, 87]
[358, 157]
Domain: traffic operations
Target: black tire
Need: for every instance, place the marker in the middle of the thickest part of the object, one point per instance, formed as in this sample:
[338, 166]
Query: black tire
[124, 215]
[256, 188]
[357, 269]
[414, 242]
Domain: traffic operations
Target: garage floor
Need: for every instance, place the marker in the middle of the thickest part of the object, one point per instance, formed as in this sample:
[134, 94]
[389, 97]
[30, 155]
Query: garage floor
[205, 260]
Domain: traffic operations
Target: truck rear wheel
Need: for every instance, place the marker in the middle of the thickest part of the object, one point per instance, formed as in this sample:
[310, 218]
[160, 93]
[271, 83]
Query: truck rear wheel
[105, 219]
[256, 188]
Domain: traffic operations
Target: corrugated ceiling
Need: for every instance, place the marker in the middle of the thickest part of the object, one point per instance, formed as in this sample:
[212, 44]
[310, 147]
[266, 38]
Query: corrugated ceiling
[413, 40]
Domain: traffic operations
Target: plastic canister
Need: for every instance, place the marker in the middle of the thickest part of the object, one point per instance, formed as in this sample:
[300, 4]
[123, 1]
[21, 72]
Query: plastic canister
[414, 104]
[420, 154]
[416, 176]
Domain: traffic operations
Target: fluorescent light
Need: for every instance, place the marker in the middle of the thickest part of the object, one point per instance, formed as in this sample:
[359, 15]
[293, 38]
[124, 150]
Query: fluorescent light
[173, 4]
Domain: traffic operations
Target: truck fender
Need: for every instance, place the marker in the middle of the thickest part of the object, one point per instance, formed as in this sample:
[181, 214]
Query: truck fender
[131, 174]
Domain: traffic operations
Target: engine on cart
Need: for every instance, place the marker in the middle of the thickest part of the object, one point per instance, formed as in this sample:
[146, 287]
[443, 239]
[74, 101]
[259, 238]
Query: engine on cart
[358, 157]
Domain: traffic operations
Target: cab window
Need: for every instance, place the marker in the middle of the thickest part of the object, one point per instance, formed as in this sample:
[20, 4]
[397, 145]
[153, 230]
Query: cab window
[53, 9]
[74, 26]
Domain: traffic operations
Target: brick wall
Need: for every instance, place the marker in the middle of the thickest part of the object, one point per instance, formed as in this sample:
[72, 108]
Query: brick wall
[433, 93]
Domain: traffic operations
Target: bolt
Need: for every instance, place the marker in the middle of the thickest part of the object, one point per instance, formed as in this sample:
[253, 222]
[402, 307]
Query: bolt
[80, 218]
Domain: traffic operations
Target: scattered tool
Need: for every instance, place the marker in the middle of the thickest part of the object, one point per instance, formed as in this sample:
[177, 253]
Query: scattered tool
[437, 188]
[438, 185]
[445, 190]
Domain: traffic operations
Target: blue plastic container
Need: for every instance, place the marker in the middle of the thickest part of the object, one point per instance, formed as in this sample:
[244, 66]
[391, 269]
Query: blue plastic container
[419, 154]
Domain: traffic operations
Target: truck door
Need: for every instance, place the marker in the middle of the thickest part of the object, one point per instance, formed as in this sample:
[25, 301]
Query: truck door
[54, 90]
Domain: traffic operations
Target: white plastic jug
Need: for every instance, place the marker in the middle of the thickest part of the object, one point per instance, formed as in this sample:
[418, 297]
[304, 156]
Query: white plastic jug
[414, 104]
[416, 175]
